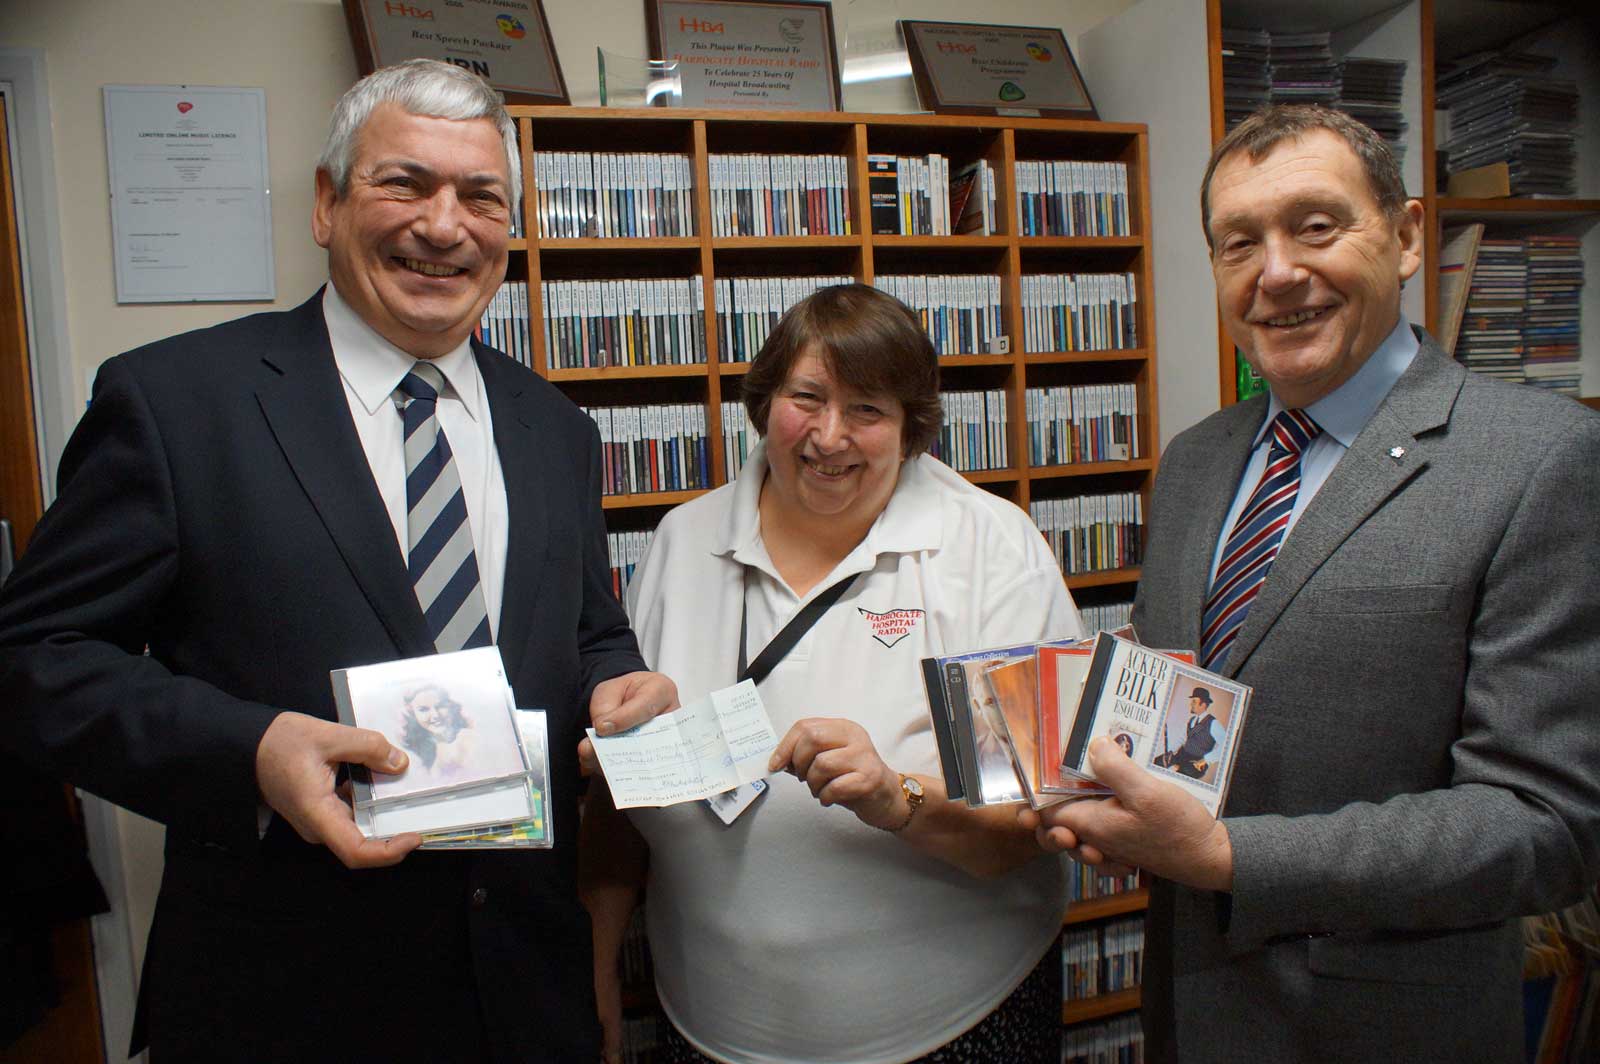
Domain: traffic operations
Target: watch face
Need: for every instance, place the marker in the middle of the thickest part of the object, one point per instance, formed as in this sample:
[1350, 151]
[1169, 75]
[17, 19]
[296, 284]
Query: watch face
[913, 786]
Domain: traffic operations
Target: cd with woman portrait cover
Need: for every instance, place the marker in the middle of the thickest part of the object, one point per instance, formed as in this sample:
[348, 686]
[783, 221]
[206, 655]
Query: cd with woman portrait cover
[452, 714]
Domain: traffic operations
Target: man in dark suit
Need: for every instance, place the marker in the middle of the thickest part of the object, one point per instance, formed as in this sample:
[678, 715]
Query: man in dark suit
[233, 522]
[1401, 558]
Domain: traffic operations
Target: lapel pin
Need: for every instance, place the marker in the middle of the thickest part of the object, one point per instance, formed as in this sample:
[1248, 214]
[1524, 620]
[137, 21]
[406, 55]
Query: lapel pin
[1397, 453]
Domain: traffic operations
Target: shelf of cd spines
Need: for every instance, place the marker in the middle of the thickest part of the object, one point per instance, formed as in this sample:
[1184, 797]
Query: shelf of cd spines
[1092, 533]
[758, 195]
[613, 194]
[1119, 1040]
[1102, 958]
[922, 196]
[642, 1021]
[655, 448]
[1071, 197]
[631, 322]
[975, 435]
[1523, 316]
[961, 312]
[739, 436]
[1082, 423]
[1105, 616]
[626, 551]
[748, 308]
[1079, 312]
[505, 322]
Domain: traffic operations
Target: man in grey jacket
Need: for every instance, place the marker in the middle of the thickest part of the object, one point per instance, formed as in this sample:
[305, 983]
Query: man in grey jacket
[1402, 560]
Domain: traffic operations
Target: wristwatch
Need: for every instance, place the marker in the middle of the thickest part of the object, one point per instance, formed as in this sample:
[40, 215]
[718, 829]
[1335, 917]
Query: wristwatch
[911, 787]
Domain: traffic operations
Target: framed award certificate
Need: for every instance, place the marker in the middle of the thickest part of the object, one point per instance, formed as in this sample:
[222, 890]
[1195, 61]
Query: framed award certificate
[765, 55]
[969, 68]
[507, 44]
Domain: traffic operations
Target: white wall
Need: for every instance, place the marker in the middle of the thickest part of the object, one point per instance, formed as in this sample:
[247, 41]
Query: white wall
[299, 51]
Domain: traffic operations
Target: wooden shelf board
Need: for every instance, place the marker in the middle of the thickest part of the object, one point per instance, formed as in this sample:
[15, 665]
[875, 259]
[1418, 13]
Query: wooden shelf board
[727, 369]
[990, 476]
[620, 243]
[1090, 909]
[518, 243]
[1454, 208]
[805, 243]
[1104, 577]
[1089, 469]
[894, 240]
[1079, 243]
[1591, 401]
[1112, 1004]
[649, 498]
[623, 373]
[1115, 354]
[975, 360]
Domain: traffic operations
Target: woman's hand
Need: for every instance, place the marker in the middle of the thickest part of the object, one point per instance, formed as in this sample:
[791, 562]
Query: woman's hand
[837, 760]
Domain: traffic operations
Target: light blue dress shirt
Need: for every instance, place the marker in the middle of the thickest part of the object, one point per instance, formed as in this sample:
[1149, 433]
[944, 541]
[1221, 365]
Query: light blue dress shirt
[1342, 413]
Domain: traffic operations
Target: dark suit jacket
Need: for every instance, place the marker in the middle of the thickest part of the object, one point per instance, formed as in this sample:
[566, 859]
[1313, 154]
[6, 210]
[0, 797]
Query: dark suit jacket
[1420, 764]
[216, 506]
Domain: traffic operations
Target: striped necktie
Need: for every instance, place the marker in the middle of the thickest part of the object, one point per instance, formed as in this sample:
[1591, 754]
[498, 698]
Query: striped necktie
[444, 570]
[1255, 539]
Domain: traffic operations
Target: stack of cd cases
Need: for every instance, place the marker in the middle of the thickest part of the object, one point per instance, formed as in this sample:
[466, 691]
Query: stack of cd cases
[1507, 107]
[477, 775]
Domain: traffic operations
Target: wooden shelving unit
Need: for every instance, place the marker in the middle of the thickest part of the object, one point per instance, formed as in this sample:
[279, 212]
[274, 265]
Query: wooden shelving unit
[1083, 912]
[862, 255]
[1099, 1007]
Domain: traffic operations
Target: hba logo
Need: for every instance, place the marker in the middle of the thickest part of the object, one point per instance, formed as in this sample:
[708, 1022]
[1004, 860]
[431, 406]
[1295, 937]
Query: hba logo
[698, 25]
[401, 9]
[511, 26]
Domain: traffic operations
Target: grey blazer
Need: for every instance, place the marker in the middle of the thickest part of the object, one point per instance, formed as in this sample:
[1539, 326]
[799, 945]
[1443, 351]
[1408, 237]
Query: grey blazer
[1421, 763]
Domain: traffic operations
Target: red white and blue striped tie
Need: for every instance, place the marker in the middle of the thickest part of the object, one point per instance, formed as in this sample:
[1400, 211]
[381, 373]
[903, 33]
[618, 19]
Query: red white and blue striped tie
[1256, 537]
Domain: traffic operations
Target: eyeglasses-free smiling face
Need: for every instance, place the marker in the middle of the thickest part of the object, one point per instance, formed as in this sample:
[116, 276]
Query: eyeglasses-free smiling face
[831, 452]
[1308, 266]
[417, 244]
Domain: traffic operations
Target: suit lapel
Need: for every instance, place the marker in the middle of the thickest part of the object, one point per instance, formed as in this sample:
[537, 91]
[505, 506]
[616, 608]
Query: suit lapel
[527, 499]
[1387, 454]
[303, 401]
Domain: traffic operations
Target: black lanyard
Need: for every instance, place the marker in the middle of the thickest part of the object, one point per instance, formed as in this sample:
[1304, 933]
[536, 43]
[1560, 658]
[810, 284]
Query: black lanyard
[792, 633]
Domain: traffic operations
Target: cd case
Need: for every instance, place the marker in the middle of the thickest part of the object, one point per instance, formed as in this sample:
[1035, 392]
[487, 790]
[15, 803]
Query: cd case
[478, 766]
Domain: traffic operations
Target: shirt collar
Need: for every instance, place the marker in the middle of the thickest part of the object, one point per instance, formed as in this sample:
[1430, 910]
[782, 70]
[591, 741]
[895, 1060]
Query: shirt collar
[373, 367]
[1345, 411]
[909, 523]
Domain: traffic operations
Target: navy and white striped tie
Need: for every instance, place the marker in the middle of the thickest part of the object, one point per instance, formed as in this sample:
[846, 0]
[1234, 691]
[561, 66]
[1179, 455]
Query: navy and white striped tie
[1256, 537]
[444, 569]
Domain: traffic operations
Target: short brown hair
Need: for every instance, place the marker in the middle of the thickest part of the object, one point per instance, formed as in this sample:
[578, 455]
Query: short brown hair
[1257, 135]
[871, 343]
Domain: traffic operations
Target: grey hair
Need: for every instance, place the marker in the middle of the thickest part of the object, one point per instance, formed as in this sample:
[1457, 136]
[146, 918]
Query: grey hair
[424, 87]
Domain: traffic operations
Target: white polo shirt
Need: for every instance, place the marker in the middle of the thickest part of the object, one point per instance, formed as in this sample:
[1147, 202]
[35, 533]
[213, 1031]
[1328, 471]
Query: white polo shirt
[798, 934]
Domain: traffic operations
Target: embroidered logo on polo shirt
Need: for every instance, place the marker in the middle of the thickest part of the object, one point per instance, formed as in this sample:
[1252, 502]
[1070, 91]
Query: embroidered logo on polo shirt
[889, 628]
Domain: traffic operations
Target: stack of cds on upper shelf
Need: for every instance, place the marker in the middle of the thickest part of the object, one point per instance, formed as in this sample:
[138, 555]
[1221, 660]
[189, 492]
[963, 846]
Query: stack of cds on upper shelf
[1246, 73]
[1369, 89]
[1491, 332]
[1506, 107]
[1303, 69]
[1261, 67]
[1551, 328]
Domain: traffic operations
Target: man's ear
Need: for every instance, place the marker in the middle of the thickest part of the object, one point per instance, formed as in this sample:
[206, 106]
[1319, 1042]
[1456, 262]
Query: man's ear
[322, 209]
[1408, 229]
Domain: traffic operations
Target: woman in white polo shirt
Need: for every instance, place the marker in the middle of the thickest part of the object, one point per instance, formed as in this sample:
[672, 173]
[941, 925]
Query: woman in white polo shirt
[852, 914]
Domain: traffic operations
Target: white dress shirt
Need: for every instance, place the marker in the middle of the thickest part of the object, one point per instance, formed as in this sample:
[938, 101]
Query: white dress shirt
[371, 369]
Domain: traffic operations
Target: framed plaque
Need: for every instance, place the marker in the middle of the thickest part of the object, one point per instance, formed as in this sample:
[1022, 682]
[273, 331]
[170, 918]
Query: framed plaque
[976, 69]
[763, 55]
[506, 43]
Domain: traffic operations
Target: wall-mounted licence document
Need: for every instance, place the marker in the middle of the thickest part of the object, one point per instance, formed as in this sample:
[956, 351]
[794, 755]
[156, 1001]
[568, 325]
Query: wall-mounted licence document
[707, 747]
